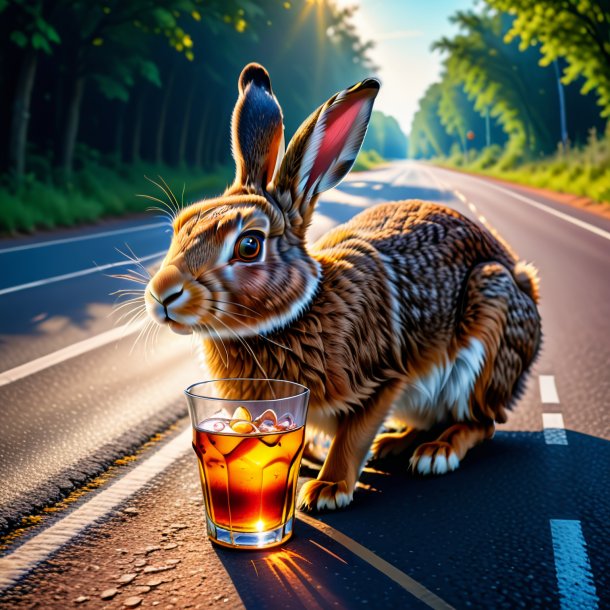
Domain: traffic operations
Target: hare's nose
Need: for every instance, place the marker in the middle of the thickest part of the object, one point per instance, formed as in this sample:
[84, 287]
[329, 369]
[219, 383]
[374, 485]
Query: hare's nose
[167, 285]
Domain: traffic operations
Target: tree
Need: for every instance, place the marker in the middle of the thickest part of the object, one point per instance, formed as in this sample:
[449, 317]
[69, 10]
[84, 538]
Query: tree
[385, 136]
[32, 33]
[577, 30]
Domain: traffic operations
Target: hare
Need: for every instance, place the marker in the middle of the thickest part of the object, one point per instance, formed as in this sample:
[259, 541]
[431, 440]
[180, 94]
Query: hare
[409, 312]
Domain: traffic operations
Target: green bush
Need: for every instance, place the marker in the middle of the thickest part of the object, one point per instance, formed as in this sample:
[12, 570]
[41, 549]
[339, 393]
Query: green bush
[367, 159]
[98, 191]
[582, 171]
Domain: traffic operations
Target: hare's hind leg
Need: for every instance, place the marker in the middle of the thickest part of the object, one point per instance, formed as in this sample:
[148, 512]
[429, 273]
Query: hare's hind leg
[445, 453]
[394, 443]
[334, 487]
[504, 319]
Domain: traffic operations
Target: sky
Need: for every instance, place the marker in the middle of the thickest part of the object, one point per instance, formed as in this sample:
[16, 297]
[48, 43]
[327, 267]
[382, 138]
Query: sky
[403, 31]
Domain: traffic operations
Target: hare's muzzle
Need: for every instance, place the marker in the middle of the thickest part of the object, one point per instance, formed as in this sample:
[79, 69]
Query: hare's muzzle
[173, 299]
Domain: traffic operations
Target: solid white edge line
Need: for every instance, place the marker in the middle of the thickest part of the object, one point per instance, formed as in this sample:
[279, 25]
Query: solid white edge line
[25, 557]
[65, 353]
[545, 208]
[399, 577]
[548, 390]
[572, 567]
[67, 240]
[69, 276]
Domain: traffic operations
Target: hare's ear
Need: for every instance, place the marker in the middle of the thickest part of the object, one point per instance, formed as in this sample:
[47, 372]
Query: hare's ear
[257, 129]
[323, 150]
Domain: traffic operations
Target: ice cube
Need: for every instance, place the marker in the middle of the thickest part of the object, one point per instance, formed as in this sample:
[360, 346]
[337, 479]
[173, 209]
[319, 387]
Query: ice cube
[213, 425]
[266, 421]
[242, 427]
[242, 413]
[286, 422]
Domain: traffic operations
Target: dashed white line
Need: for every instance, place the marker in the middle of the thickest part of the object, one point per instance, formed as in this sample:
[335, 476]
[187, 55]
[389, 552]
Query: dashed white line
[71, 351]
[67, 240]
[545, 208]
[572, 566]
[554, 429]
[69, 276]
[24, 558]
[548, 390]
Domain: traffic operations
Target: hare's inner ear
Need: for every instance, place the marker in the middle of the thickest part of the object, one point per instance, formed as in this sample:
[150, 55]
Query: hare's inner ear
[325, 147]
[257, 129]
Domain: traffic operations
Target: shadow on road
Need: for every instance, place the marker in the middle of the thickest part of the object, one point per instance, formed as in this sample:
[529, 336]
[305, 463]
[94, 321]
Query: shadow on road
[479, 537]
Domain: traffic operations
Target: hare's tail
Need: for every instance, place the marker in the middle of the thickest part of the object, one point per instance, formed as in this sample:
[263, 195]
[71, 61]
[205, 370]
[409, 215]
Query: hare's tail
[526, 277]
[500, 312]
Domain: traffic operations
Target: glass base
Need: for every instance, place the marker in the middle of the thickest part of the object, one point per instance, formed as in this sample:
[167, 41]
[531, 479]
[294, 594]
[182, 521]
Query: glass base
[249, 540]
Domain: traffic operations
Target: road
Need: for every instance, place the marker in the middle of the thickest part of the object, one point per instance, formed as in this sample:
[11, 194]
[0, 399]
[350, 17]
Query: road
[524, 522]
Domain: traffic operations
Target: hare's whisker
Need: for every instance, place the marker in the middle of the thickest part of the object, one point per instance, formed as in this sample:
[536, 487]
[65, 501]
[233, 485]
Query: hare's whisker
[171, 203]
[260, 366]
[233, 303]
[169, 210]
[242, 315]
[232, 315]
[129, 278]
[142, 331]
[136, 312]
[165, 215]
[170, 192]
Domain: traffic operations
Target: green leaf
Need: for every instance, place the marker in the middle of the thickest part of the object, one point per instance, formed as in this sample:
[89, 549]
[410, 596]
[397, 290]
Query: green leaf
[40, 42]
[111, 89]
[19, 38]
[52, 35]
[150, 72]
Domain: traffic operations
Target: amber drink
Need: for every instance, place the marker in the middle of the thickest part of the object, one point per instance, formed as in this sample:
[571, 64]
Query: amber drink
[249, 453]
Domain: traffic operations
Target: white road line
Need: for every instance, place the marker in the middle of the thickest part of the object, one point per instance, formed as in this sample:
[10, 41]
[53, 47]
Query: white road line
[67, 240]
[548, 391]
[71, 351]
[554, 429]
[69, 276]
[574, 576]
[549, 210]
[404, 580]
[24, 558]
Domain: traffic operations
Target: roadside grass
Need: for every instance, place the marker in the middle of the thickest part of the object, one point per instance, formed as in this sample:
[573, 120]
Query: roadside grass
[99, 191]
[582, 171]
[367, 159]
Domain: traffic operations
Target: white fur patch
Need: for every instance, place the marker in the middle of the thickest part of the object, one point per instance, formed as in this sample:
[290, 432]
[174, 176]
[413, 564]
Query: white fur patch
[437, 464]
[444, 390]
[424, 464]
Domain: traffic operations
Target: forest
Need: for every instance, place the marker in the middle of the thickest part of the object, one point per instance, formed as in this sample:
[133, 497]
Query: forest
[95, 95]
[524, 95]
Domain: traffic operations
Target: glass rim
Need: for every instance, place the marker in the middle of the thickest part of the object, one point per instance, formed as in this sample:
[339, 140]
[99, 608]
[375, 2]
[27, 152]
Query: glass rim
[304, 390]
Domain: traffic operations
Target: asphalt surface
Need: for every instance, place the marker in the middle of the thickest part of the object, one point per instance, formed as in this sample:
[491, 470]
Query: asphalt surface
[480, 537]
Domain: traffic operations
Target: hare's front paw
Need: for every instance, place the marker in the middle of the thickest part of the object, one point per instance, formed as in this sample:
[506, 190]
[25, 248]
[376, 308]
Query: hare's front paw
[318, 495]
[437, 457]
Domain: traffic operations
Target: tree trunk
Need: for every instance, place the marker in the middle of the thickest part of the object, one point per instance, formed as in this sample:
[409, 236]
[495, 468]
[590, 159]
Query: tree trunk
[186, 123]
[119, 134]
[136, 142]
[162, 120]
[71, 128]
[21, 114]
[222, 136]
[201, 136]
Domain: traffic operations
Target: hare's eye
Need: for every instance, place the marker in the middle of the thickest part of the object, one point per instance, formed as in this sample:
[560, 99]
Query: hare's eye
[248, 247]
